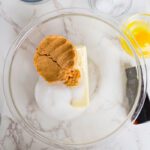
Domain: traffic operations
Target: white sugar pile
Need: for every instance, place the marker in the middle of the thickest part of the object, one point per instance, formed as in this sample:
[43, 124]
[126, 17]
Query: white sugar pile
[55, 99]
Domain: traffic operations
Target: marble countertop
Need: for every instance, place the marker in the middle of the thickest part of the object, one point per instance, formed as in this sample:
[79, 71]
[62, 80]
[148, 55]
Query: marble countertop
[14, 15]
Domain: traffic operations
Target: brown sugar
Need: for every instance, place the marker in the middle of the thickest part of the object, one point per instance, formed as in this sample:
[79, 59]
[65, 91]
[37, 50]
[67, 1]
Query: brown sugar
[55, 60]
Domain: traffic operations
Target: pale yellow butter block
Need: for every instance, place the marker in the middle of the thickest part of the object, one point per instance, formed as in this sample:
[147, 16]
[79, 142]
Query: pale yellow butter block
[82, 64]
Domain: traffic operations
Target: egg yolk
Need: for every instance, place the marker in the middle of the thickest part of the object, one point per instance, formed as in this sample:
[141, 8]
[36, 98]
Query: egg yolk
[138, 32]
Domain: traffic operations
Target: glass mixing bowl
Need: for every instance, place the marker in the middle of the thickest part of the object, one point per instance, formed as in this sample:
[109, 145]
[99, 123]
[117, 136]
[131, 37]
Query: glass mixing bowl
[113, 8]
[116, 93]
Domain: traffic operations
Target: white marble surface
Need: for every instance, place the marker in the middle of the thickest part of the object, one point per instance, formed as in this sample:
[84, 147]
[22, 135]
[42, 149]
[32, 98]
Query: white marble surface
[14, 15]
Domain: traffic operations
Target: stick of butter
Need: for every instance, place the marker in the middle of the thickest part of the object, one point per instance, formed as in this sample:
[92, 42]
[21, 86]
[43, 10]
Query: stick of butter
[82, 64]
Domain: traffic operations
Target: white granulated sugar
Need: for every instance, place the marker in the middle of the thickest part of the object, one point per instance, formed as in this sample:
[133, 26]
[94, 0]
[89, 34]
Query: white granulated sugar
[107, 110]
[111, 83]
[55, 100]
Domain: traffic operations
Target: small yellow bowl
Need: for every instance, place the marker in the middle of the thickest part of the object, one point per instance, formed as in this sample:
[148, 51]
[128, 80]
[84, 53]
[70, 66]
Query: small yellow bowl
[138, 32]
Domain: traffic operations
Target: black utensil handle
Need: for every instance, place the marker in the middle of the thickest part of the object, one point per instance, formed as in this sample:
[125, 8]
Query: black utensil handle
[131, 91]
[144, 115]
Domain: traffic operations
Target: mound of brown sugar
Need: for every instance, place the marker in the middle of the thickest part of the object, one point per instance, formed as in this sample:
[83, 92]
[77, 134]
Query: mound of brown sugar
[55, 60]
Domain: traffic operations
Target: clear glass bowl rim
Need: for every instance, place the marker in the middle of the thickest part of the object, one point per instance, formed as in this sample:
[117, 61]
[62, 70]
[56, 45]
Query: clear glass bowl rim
[122, 13]
[23, 35]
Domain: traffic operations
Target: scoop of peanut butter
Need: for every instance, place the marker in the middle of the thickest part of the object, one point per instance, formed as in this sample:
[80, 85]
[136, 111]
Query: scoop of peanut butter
[55, 60]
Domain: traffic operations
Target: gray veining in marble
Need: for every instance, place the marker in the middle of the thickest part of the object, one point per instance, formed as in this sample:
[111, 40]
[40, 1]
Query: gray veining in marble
[14, 15]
